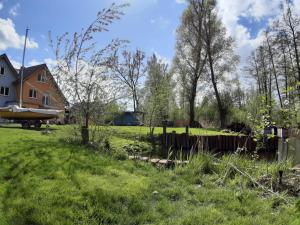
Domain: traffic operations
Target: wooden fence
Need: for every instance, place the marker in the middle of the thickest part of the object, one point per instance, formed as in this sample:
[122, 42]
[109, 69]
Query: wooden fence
[219, 143]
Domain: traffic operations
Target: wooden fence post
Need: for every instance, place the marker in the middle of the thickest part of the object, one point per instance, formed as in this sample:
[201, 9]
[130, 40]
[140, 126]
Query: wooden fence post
[187, 130]
[282, 149]
[164, 137]
[173, 141]
[173, 137]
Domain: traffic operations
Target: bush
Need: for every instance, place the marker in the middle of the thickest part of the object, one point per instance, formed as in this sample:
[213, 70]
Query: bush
[119, 154]
[136, 148]
[239, 127]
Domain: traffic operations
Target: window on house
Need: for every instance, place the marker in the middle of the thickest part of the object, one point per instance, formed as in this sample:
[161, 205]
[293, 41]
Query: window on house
[1, 70]
[32, 93]
[46, 99]
[4, 91]
[42, 78]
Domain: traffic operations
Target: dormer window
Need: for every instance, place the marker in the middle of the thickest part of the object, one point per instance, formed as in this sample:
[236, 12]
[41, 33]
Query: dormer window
[1, 70]
[42, 78]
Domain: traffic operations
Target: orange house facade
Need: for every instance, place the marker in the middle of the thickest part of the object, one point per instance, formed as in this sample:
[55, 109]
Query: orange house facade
[40, 89]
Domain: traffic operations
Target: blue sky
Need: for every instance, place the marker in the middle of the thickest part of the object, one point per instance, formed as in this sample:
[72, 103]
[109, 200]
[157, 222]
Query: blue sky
[149, 25]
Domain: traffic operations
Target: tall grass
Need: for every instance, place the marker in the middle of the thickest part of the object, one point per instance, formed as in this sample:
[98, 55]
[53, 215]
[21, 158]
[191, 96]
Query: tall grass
[47, 181]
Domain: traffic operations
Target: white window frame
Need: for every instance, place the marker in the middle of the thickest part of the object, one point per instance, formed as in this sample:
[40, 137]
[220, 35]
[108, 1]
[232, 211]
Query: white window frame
[42, 78]
[33, 95]
[4, 91]
[45, 97]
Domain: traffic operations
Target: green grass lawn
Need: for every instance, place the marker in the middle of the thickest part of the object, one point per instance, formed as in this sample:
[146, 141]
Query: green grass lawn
[46, 180]
[123, 135]
[142, 130]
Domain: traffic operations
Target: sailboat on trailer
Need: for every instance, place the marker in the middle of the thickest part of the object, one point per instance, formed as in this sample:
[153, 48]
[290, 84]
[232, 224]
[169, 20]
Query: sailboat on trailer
[14, 112]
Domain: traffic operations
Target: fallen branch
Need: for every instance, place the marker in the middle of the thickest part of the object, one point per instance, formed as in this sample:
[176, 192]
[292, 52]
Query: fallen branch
[248, 176]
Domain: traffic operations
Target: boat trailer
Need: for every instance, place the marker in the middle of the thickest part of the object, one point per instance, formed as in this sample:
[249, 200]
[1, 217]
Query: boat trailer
[28, 117]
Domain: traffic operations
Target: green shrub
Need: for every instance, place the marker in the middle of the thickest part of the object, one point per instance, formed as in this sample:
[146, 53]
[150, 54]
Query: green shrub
[119, 154]
[298, 205]
[136, 148]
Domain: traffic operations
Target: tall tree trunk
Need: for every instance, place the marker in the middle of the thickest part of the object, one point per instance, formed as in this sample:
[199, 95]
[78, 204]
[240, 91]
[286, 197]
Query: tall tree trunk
[192, 112]
[290, 55]
[135, 101]
[270, 92]
[295, 48]
[222, 113]
[292, 64]
[274, 71]
[265, 84]
[297, 60]
[192, 99]
[257, 75]
[85, 137]
[264, 77]
[285, 72]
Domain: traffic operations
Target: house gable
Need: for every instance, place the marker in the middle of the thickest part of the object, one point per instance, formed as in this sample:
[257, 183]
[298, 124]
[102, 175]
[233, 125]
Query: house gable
[40, 89]
[7, 87]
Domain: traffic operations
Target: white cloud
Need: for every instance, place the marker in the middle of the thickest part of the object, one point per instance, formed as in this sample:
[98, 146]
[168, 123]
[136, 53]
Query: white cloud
[14, 10]
[16, 64]
[163, 59]
[161, 22]
[296, 6]
[9, 38]
[252, 10]
[34, 62]
[51, 63]
[263, 8]
[1, 5]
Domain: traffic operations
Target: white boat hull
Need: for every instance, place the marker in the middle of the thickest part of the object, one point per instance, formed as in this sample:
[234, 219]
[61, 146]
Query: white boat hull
[17, 113]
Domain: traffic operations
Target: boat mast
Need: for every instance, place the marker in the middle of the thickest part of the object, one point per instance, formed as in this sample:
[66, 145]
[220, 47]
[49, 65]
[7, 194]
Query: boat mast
[22, 69]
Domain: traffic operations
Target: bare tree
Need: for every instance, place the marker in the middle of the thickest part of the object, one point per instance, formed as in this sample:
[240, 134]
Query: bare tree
[129, 68]
[266, 77]
[82, 67]
[263, 68]
[271, 53]
[283, 62]
[291, 25]
[190, 56]
[253, 70]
